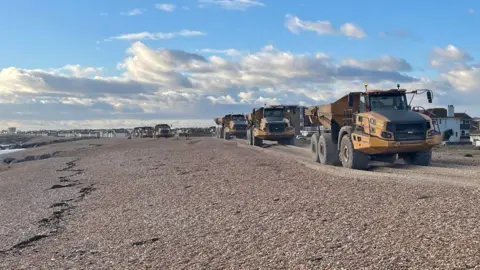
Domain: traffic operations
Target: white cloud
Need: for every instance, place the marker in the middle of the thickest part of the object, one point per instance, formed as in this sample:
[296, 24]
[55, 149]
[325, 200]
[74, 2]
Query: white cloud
[158, 35]
[104, 14]
[133, 12]
[230, 52]
[166, 7]
[465, 79]
[351, 30]
[384, 63]
[295, 25]
[232, 4]
[448, 56]
[471, 10]
[78, 71]
[246, 97]
[222, 99]
[185, 7]
[161, 83]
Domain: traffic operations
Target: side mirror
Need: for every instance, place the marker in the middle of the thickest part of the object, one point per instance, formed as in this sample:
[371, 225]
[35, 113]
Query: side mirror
[350, 100]
[429, 97]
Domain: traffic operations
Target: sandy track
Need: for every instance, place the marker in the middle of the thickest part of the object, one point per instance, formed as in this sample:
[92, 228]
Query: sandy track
[443, 169]
[206, 203]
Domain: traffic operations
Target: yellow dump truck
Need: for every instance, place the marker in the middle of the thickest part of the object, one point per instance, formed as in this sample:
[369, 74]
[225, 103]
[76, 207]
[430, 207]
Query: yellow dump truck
[231, 125]
[270, 123]
[372, 125]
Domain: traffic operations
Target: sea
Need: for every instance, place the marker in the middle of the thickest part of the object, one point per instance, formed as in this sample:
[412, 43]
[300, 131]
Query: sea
[8, 151]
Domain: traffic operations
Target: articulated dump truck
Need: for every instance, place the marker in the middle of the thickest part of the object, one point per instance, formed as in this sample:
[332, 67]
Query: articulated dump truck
[372, 125]
[270, 123]
[163, 130]
[231, 125]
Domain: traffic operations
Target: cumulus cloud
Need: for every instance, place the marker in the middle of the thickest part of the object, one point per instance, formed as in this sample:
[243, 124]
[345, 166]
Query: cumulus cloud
[296, 25]
[450, 55]
[352, 30]
[133, 12]
[166, 7]
[465, 79]
[230, 52]
[384, 63]
[167, 84]
[233, 4]
[159, 35]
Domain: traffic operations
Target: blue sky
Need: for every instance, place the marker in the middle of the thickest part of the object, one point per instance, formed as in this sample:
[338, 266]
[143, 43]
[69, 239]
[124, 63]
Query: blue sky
[45, 35]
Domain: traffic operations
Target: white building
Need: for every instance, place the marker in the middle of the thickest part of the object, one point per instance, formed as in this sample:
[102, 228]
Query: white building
[475, 138]
[444, 120]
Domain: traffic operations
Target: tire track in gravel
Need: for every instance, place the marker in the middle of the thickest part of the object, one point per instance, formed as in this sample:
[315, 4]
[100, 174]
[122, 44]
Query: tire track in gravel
[438, 173]
[53, 223]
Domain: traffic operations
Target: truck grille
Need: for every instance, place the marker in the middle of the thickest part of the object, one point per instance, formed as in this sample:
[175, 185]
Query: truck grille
[276, 127]
[240, 127]
[409, 131]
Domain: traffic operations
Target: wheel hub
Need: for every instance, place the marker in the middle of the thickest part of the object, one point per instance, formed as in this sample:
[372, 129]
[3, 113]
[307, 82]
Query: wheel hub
[345, 154]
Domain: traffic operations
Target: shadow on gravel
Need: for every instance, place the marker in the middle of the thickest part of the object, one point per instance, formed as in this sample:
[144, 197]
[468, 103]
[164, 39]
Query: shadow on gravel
[142, 243]
[10, 160]
[62, 208]
[62, 186]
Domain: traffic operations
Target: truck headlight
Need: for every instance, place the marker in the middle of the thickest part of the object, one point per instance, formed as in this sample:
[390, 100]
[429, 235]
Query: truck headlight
[386, 135]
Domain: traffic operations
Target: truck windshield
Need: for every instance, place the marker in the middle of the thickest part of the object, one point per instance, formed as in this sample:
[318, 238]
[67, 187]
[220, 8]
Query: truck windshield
[388, 102]
[273, 114]
[238, 118]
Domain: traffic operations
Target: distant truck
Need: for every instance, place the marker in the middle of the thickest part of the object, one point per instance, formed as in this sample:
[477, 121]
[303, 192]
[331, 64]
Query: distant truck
[143, 132]
[270, 123]
[231, 125]
[163, 130]
[372, 125]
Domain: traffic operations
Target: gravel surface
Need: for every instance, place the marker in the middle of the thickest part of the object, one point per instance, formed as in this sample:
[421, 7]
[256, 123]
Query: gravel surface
[207, 203]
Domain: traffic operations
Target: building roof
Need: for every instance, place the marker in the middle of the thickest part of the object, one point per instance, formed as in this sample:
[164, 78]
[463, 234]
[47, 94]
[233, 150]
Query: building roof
[438, 112]
[463, 116]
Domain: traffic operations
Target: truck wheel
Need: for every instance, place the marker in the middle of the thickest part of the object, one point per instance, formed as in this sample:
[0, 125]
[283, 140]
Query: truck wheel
[226, 135]
[386, 158]
[422, 158]
[327, 150]
[257, 141]
[221, 133]
[291, 140]
[350, 157]
[314, 148]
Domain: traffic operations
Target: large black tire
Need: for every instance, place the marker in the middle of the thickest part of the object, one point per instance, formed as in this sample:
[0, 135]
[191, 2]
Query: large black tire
[250, 137]
[422, 158]
[287, 141]
[226, 135]
[327, 150]
[222, 130]
[350, 157]
[257, 141]
[314, 147]
[386, 158]
[291, 140]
